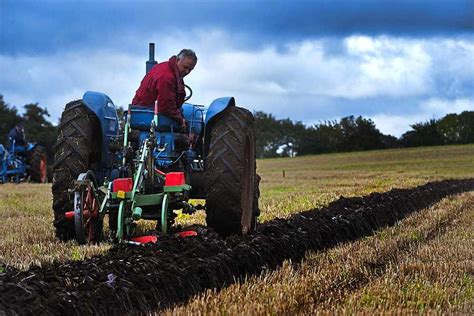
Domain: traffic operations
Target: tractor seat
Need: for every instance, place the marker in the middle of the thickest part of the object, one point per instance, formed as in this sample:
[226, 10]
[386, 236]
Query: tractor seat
[142, 116]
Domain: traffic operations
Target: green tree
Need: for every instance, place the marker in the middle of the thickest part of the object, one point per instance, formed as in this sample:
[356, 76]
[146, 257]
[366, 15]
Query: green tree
[359, 134]
[390, 141]
[305, 143]
[423, 134]
[267, 135]
[328, 137]
[448, 127]
[38, 128]
[290, 137]
[466, 127]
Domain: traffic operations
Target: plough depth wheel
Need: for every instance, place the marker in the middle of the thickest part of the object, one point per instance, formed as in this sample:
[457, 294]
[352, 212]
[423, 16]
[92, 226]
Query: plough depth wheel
[87, 220]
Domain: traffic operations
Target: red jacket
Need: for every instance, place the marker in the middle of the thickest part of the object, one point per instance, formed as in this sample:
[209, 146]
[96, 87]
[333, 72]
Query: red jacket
[164, 84]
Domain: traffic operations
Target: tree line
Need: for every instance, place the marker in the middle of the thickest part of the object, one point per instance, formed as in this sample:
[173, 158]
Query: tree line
[282, 137]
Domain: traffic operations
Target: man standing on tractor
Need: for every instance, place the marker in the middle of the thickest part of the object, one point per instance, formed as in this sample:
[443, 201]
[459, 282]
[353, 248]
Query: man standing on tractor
[17, 138]
[164, 84]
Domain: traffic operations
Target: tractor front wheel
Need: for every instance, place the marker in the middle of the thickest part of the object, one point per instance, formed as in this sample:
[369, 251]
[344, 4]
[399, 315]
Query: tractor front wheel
[230, 171]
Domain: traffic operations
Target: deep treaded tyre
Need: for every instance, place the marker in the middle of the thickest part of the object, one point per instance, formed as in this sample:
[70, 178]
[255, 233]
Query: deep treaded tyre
[38, 165]
[77, 150]
[231, 182]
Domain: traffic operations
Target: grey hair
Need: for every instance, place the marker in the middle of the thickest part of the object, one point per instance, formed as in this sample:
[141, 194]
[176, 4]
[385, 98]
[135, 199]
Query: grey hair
[187, 53]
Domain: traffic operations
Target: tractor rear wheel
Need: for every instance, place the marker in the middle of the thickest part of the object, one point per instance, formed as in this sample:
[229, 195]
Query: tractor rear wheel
[77, 150]
[231, 180]
[38, 165]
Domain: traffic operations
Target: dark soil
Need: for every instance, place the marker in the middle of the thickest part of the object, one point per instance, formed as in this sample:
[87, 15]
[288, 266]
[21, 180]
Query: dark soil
[141, 279]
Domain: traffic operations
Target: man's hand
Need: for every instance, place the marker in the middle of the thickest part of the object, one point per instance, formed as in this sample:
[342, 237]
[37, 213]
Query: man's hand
[183, 125]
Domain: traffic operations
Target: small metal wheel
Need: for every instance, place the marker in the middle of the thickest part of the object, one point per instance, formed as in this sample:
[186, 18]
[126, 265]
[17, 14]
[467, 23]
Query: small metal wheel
[87, 220]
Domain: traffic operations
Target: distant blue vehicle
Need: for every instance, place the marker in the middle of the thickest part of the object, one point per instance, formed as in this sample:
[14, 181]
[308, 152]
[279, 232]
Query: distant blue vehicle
[23, 163]
[141, 165]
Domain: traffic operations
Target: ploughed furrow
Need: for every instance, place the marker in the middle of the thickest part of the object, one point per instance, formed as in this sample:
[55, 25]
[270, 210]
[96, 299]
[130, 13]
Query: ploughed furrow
[147, 278]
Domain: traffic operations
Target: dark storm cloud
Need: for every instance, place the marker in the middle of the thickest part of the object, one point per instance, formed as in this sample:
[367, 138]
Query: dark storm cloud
[398, 62]
[50, 26]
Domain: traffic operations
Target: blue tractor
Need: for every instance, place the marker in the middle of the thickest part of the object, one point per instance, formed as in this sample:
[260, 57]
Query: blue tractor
[141, 165]
[23, 163]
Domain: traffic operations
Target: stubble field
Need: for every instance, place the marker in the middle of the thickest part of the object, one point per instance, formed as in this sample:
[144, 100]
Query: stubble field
[422, 263]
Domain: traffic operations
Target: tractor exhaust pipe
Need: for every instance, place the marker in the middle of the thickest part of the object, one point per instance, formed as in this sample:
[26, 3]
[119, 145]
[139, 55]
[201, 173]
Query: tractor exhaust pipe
[151, 59]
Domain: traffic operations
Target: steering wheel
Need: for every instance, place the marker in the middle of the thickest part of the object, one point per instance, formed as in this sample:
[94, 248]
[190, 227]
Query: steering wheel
[188, 96]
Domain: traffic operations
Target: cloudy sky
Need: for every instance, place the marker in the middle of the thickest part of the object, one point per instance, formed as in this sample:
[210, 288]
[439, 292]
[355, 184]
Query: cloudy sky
[396, 62]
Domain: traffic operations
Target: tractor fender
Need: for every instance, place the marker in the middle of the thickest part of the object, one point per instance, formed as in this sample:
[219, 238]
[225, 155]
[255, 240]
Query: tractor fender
[215, 108]
[106, 112]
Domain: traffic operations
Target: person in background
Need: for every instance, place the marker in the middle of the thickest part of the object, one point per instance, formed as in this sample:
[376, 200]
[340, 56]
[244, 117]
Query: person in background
[17, 138]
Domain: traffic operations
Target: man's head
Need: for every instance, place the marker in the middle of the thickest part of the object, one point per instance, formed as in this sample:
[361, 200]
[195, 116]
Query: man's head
[186, 60]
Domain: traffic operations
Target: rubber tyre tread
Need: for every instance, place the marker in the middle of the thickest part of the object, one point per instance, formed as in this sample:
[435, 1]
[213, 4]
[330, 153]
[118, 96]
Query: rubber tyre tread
[223, 169]
[38, 154]
[73, 156]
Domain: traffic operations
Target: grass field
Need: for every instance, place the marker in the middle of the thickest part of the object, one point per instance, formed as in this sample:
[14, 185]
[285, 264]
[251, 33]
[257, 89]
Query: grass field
[423, 264]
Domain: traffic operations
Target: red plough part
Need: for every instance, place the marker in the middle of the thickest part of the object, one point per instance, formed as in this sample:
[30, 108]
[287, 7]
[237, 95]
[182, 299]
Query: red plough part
[69, 215]
[153, 239]
[145, 239]
[187, 233]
